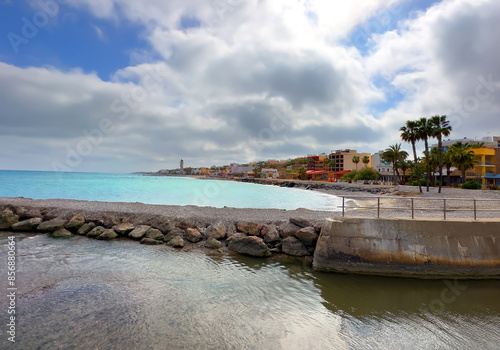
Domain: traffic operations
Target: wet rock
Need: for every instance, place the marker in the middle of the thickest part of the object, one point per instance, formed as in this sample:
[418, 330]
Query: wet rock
[154, 234]
[86, 228]
[124, 228]
[293, 246]
[212, 243]
[308, 236]
[139, 231]
[61, 233]
[52, 225]
[301, 222]
[251, 245]
[7, 221]
[250, 228]
[272, 234]
[193, 235]
[27, 225]
[150, 241]
[176, 242]
[96, 231]
[108, 234]
[288, 230]
[76, 222]
[217, 231]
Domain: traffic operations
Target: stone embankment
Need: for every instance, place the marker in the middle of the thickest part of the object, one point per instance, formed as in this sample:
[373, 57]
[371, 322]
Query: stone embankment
[296, 236]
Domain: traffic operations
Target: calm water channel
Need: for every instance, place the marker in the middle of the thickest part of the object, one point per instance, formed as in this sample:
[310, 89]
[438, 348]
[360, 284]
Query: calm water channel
[88, 294]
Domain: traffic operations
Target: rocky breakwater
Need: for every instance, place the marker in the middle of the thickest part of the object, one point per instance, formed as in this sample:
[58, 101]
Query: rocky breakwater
[297, 236]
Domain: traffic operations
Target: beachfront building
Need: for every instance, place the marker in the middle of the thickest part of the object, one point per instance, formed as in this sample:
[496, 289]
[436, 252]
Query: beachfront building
[343, 160]
[384, 168]
[270, 172]
[485, 169]
[237, 168]
[490, 142]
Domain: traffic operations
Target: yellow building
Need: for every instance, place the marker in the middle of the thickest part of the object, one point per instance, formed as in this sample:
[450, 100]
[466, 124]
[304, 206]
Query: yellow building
[343, 160]
[485, 165]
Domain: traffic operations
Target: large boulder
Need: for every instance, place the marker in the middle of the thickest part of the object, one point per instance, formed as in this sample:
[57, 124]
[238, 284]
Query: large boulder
[293, 246]
[8, 220]
[6, 212]
[108, 234]
[212, 243]
[52, 225]
[28, 213]
[139, 231]
[75, 223]
[86, 228]
[230, 230]
[288, 230]
[176, 242]
[27, 225]
[308, 236]
[174, 233]
[124, 228]
[154, 234]
[61, 233]
[250, 245]
[96, 231]
[301, 222]
[193, 235]
[250, 228]
[217, 231]
[271, 233]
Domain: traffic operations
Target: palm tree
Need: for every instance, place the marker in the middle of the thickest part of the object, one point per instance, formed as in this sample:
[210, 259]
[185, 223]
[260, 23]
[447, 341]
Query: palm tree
[448, 163]
[393, 154]
[409, 133]
[424, 132]
[366, 160]
[355, 160]
[440, 127]
[462, 156]
[404, 165]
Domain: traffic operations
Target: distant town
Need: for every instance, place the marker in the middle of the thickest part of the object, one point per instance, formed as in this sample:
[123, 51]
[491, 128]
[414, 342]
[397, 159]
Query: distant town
[341, 165]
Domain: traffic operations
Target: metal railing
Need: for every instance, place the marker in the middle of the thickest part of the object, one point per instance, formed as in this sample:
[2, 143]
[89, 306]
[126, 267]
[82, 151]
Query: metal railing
[413, 207]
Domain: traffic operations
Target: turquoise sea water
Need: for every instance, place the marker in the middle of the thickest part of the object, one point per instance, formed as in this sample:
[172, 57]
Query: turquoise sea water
[158, 190]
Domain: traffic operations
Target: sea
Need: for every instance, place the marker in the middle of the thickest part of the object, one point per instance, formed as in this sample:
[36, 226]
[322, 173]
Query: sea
[168, 190]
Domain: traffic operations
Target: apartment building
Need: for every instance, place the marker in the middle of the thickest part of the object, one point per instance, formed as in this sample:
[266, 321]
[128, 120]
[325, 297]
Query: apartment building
[343, 160]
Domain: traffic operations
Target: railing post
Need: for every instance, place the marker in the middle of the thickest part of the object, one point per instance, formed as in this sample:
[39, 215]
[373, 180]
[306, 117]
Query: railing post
[475, 215]
[343, 206]
[444, 208]
[412, 210]
[378, 207]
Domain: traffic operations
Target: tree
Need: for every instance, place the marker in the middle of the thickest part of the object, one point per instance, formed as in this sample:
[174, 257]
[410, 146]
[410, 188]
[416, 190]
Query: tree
[366, 160]
[447, 163]
[440, 127]
[328, 163]
[462, 157]
[409, 133]
[355, 160]
[302, 173]
[392, 155]
[424, 132]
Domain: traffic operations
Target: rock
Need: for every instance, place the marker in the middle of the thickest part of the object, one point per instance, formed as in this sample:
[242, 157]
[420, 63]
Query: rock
[176, 242]
[193, 235]
[317, 227]
[76, 222]
[27, 225]
[308, 236]
[301, 222]
[250, 245]
[288, 230]
[154, 234]
[30, 213]
[237, 235]
[96, 231]
[293, 246]
[173, 233]
[250, 228]
[108, 234]
[124, 228]
[272, 234]
[139, 231]
[61, 233]
[217, 231]
[52, 225]
[212, 243]
[7, 221]
[231, 230]
[6, 212]
[150, 241]
[86, 228]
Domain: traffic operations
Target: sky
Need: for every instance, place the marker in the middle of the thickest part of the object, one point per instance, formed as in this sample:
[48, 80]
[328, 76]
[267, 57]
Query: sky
[125, 85]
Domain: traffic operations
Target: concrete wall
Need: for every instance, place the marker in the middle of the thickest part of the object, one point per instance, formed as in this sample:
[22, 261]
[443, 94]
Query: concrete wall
[424, 248]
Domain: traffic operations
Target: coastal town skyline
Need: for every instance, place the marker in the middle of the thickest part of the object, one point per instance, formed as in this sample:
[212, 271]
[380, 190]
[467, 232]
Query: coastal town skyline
[121, 86]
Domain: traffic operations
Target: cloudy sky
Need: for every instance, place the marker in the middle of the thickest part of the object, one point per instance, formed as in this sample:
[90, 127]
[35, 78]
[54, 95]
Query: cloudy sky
[126, 85]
